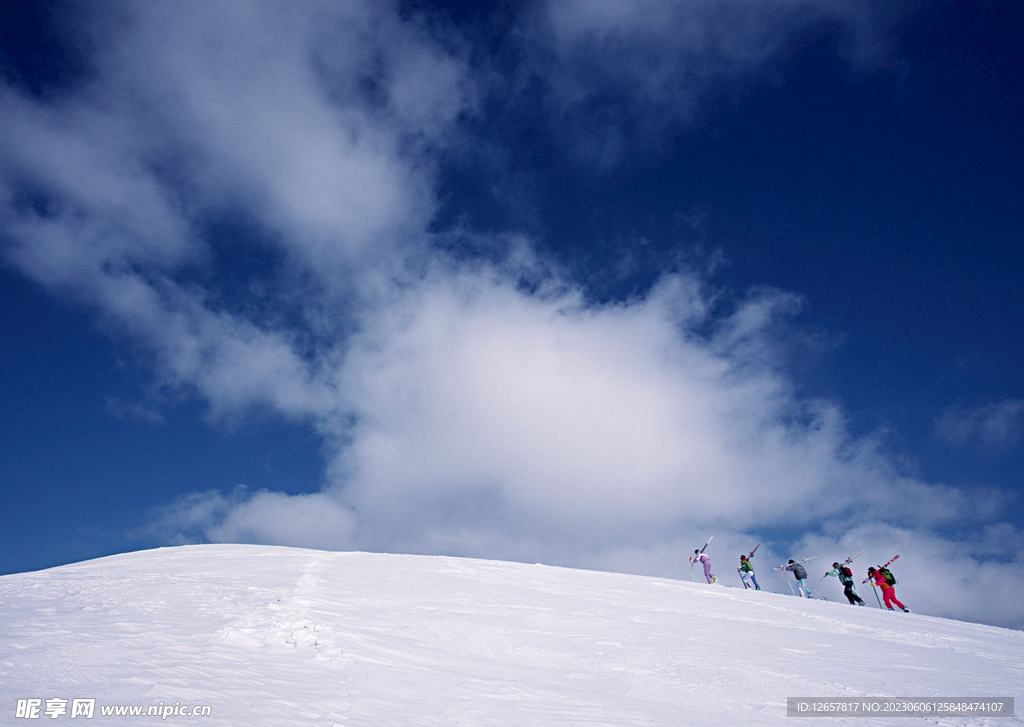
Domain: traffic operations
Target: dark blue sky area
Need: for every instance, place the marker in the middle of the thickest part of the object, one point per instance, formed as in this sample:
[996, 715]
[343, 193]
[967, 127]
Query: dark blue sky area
[81, 473]
[889, 197]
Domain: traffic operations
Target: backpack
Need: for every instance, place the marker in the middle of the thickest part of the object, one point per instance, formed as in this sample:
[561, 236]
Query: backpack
[890, 579]
[846, 571]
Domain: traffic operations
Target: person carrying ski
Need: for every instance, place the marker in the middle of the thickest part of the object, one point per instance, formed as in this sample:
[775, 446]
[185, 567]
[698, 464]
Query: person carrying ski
[701, 556]
[845, 576]
[885, 580]
[746, 569]
[800, 574]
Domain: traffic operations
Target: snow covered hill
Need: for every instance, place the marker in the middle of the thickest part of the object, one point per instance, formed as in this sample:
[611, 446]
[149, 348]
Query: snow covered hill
[281, 636]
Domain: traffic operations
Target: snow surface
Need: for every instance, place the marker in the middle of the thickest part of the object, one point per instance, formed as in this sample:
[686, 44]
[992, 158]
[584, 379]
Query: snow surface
[283, 636]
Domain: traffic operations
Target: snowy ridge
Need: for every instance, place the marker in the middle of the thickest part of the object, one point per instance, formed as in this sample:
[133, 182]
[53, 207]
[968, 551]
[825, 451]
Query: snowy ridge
[280, 636]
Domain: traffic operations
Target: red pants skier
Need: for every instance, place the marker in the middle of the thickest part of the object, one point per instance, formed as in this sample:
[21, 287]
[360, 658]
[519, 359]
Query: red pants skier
[888, 590]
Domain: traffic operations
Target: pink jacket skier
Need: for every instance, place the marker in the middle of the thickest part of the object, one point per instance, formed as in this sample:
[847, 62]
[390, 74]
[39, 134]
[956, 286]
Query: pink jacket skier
[888, 590]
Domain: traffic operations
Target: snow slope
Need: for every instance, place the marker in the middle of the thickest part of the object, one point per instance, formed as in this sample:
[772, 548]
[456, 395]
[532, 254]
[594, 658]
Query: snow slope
[282, 636]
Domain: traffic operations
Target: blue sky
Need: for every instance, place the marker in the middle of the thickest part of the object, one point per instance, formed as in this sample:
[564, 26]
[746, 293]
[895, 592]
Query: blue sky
[576, 282]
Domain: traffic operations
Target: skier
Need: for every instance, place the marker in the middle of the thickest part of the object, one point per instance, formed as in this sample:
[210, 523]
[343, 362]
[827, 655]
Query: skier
[699, 555]
[845, 576]
[884, 580]
[801, 577]
[746, 569]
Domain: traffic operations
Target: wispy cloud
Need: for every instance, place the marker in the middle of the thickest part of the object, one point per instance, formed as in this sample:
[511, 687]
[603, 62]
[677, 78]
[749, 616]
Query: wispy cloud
[624, 71]
[998, 425]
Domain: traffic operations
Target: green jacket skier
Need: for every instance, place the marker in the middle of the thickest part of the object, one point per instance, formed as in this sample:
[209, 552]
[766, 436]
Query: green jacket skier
[845, 576]
[746, 569]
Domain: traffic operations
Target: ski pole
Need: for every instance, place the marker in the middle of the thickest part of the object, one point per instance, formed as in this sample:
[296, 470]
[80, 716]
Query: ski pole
[875, 589]
[783, 569]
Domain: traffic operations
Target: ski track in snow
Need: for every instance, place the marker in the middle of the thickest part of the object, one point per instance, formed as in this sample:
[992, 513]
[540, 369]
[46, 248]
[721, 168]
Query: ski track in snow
[282, 636]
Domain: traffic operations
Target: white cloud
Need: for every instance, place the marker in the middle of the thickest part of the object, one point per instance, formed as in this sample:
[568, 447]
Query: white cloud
[271, 518]
[577, 418]
[212, 109]
[274, 518]
[79, 202]
[208, 108]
